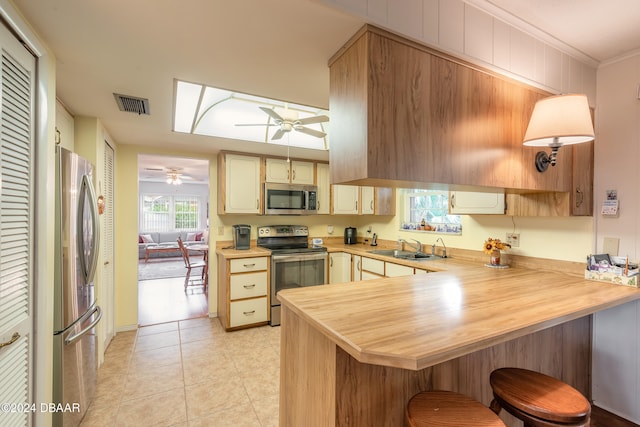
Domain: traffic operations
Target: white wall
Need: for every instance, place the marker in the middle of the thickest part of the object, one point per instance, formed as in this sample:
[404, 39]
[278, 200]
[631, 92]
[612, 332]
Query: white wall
[617, 153]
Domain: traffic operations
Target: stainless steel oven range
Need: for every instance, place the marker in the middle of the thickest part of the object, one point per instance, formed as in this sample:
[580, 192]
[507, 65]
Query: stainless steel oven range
[294, 263]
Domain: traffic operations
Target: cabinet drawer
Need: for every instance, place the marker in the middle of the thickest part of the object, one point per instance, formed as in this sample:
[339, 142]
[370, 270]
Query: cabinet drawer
[373, 265]
[243, 265]
[248, 311]
[248, 285]
[395, 270]
[370, 276]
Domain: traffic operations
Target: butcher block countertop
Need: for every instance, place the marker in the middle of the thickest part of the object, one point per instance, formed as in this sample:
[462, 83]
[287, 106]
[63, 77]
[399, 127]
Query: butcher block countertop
[414, 322]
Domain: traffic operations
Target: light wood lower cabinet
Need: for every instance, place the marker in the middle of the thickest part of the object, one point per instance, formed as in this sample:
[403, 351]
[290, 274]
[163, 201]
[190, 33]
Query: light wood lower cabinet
[395, 270]
[377, 269]
[243, 292]
[339, 267]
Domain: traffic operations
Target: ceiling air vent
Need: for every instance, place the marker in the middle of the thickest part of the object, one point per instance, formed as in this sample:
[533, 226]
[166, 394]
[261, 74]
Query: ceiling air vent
[132, 104]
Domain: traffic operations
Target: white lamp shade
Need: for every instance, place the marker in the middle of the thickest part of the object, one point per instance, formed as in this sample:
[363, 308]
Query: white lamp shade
[560, 120]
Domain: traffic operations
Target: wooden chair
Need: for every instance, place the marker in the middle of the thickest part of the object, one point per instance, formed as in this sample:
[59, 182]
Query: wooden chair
[447, 408]
[190, 265]
[537, 399]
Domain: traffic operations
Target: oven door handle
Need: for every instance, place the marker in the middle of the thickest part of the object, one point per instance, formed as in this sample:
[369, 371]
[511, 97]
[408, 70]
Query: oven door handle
[298, 257]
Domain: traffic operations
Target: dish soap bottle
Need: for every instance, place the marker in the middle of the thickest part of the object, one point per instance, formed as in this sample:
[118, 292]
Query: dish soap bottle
[423, 224]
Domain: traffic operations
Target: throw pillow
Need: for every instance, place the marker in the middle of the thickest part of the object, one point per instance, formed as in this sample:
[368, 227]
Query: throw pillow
[191, 237]
[199, 237]
[146, 238]
[140, 238]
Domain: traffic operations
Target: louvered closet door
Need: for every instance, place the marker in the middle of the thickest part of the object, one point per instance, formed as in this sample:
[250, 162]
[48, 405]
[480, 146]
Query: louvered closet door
[107, 231]
[16, 227]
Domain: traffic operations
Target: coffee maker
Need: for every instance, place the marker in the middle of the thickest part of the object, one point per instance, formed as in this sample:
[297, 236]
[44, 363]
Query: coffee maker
[241, 236]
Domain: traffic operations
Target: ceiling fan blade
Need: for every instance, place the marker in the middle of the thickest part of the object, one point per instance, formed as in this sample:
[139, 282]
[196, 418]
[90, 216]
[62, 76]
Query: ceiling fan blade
[313, 119]
[272, 113]
[311, 132]
[279, 133]
[256, 124]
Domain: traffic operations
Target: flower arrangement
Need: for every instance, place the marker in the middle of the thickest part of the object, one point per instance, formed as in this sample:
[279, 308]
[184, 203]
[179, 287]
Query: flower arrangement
[494, 245]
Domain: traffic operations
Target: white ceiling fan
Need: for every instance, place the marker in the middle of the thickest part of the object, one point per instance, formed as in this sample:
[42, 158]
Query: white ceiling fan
[171, 175]
[287, 120]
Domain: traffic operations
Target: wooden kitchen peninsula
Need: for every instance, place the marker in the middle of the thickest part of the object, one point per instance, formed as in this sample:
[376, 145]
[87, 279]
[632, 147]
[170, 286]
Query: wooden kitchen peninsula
[353, 354]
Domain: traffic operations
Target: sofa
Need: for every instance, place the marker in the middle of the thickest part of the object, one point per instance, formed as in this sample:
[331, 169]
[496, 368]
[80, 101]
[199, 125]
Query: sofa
[155, 238]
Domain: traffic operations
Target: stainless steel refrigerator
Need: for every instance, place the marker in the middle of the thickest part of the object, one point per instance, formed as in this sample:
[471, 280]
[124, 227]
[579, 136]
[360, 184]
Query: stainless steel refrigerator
[76, 311]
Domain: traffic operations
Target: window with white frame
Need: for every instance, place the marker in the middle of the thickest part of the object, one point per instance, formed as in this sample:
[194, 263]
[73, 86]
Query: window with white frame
[432, 207]
[162, 212]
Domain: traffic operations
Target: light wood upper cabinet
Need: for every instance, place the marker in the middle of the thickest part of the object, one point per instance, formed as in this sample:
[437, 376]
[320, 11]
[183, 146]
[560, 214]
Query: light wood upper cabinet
[385, 201]
[345, 199]
[238, 184]
[323, 181]
[406, 114]
[582, 191]
[367, 200]
[468, 202]
[289, 172]
[355, 200]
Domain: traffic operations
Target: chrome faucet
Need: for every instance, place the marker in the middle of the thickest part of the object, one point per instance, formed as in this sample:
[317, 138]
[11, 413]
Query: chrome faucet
[417, 247]
[444, 248]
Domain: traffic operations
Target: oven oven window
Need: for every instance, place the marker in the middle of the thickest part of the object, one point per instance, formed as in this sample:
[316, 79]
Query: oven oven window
[285, 199]
[299, 273]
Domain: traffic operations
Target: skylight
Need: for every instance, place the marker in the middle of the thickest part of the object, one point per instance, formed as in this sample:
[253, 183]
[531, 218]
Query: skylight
[206, 110]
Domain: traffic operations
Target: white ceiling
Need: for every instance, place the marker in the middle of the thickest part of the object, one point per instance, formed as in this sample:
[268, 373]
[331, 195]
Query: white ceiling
[276, 48]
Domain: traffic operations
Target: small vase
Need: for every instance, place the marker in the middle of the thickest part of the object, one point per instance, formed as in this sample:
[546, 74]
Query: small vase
[495, 257]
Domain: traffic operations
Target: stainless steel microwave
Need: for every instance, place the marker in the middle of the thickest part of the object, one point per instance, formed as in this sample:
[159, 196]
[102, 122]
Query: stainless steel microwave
[290, 199]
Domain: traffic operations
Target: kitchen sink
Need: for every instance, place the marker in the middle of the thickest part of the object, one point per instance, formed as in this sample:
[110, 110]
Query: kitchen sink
[408, 255]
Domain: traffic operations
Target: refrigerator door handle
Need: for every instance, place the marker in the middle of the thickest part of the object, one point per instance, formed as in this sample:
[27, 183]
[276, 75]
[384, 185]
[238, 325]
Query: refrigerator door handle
[86, 190]
[73, 338]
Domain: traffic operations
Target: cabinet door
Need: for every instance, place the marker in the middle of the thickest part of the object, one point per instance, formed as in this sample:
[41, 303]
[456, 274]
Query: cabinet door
[345, 199]
[324, 188]
[395, 270]
[582, 193]
[356, 268]
[385, 203]
[277, 170]
[470, 202]
[339, 267]
[302, 172]
[366, 275]
[367, 200]
[373, 266]
[242, 184]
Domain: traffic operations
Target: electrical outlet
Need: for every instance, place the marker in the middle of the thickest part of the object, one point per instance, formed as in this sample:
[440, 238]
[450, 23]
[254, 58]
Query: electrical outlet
[221, 230]
[513, 239]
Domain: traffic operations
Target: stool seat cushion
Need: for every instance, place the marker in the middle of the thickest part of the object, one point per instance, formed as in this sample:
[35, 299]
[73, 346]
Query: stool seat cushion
[449, 409]
[539, 395]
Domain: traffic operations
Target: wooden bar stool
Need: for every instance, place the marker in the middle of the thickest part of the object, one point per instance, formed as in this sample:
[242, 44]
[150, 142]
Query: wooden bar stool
[448, 409]
[537, 399]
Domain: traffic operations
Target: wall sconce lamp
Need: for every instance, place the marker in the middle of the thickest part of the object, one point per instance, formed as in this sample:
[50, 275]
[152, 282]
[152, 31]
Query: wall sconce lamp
[557, 121]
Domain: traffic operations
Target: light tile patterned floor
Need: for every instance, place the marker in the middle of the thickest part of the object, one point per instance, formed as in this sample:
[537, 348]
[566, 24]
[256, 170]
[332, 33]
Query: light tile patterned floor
[189, 373]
